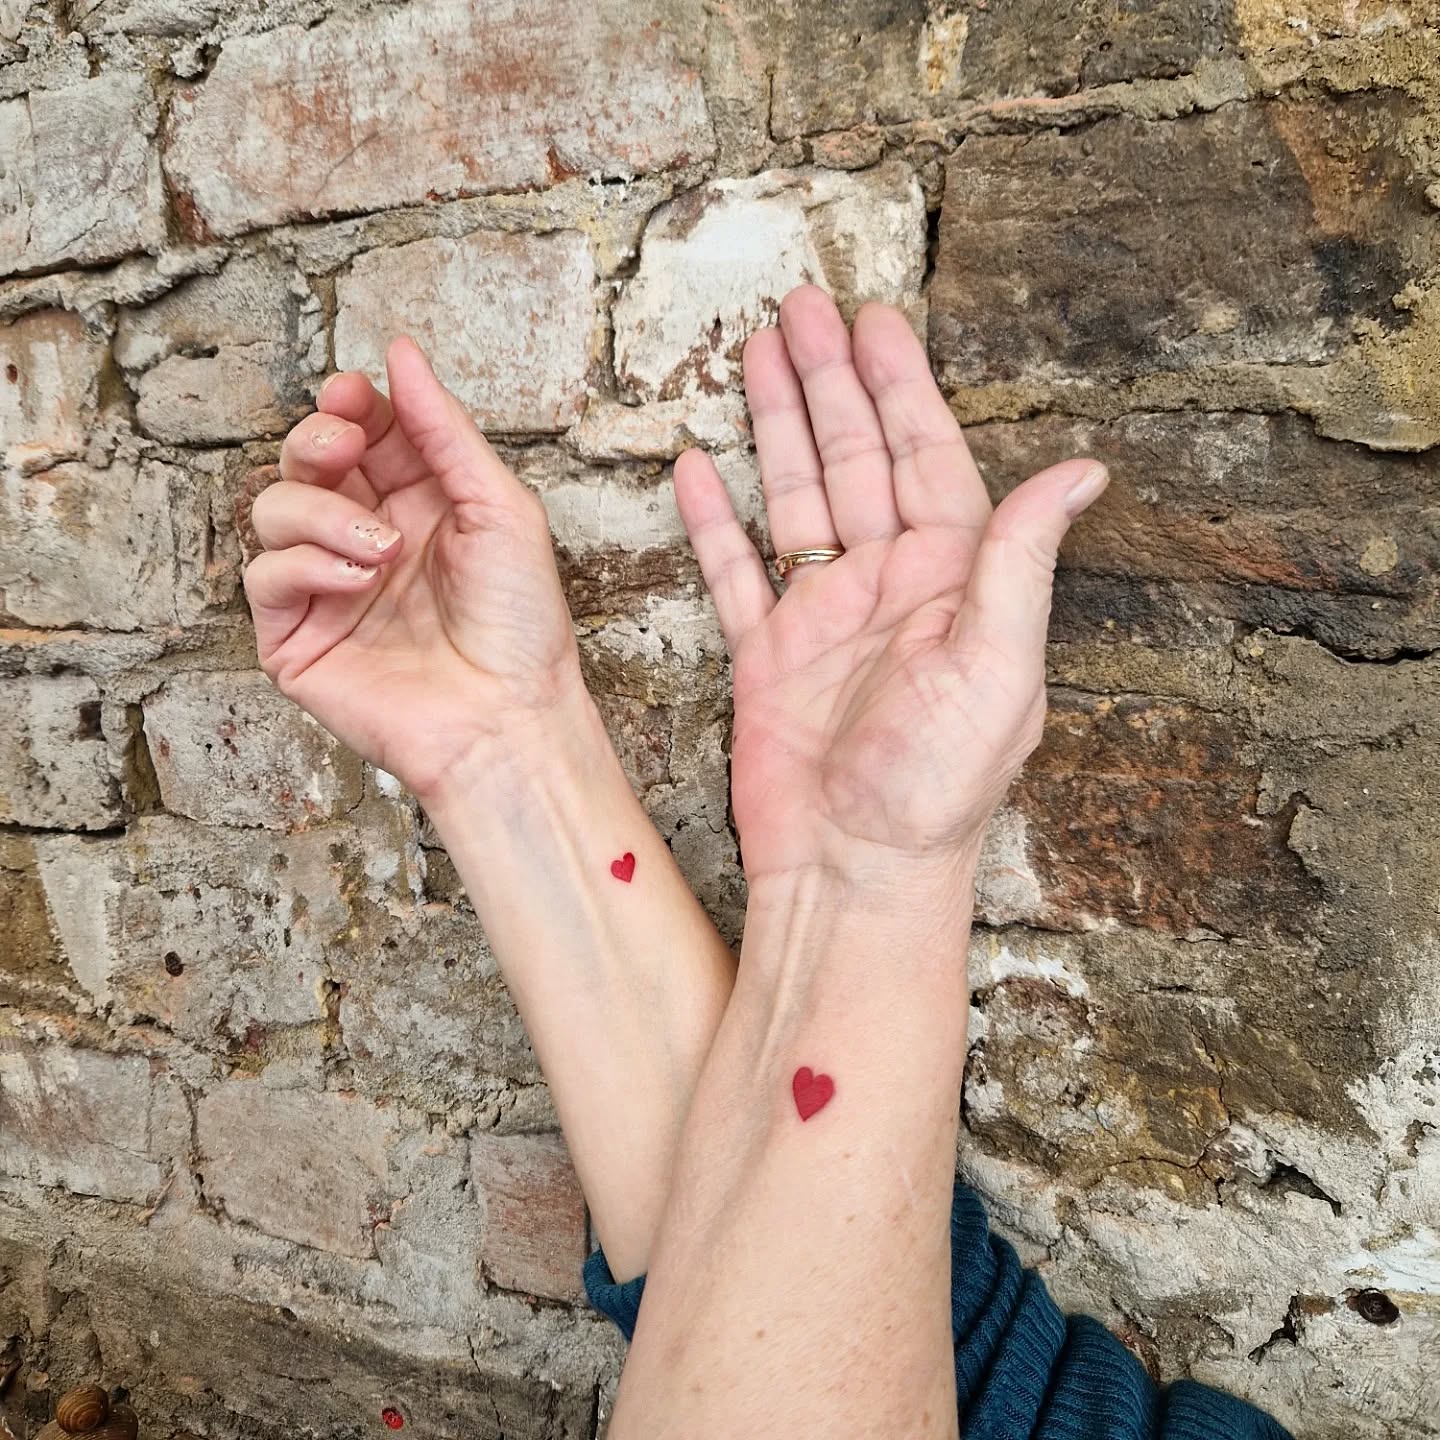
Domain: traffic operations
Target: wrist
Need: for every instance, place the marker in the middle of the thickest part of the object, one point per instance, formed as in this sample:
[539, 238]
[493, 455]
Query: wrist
[563, 744]
[873, 881]
[874, 911]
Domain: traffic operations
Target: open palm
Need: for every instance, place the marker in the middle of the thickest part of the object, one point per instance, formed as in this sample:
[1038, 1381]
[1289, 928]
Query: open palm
[888, 697]
[408, 596]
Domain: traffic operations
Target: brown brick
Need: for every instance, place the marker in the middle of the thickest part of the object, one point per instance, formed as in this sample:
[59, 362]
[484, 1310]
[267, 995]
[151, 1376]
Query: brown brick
[30, 957]
[1145, 811]
[330, 119]
[1256, 518]
[881, 62]
[1259, 233]
[1038, 47]
[1288, 24]
[534, 1214]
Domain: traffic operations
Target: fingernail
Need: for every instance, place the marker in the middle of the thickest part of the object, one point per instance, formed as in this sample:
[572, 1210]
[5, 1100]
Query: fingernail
[1086, 489]
[375, 534]
[329, 381]
[323, 435]
[352, 571]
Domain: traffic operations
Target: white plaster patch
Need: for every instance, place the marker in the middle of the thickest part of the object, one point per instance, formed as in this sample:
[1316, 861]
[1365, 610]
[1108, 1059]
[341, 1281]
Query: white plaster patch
[715, 264]
[1007, 889]
[989, 967]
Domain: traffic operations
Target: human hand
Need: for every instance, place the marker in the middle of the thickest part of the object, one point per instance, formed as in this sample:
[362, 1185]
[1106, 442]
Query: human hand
[408, 596]
[884, 703]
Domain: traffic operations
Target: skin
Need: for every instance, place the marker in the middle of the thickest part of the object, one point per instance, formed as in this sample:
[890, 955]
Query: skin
[882, 706]
[408, 599]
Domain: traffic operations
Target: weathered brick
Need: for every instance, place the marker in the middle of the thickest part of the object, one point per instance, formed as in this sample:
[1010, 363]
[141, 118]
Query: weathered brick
[508, 321]
[1053, 1074]
[30, 957]
[264, 1357]
[79, 177]
[251, 300]
[534, 1214]
[49, 382]
[302, 1165]
[229, 749]
[1284, 24]
[880, 62]
[221, 937]
[54, 765]
[93, 1124]
[863, 64]
[1030, 47]
[1260, 233]
[660, 431]
[329, 119]
[153, 17]
[222, 357]
[429, 1018]
[81, 546]
[236, 395]
[715, 264]
[1262, 521]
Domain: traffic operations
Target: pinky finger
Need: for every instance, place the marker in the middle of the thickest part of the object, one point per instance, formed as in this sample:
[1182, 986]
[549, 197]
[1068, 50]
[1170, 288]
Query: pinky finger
[281, 583]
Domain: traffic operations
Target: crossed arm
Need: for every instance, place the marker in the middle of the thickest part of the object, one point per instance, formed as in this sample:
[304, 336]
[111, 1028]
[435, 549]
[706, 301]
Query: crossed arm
[758, 1151]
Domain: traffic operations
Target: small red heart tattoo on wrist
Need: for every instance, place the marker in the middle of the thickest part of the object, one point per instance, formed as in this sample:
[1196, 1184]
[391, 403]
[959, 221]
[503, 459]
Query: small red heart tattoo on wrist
[624, 867]
[812, 1092]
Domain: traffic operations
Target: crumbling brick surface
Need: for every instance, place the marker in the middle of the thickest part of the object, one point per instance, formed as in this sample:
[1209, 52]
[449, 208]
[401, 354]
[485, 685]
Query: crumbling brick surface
[275, 1154]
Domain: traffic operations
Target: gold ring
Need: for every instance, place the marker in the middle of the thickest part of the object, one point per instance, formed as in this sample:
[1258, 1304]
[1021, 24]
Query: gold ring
[785, 563]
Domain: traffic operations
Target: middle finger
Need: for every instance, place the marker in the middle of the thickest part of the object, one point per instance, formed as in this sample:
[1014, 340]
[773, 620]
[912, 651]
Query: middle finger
[847, 430]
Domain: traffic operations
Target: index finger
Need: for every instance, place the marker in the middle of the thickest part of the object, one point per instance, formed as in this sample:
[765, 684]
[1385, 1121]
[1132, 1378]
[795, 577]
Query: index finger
[390, 461]
[321, 450]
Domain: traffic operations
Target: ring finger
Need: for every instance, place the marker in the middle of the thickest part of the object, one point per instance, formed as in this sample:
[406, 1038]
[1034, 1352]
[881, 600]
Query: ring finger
[289, 513]
[790, 470]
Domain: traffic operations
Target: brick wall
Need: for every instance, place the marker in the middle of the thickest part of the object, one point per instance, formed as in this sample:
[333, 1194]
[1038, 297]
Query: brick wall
[274, 1153]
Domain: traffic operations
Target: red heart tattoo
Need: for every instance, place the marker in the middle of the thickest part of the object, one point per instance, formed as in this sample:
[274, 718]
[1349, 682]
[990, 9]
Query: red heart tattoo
[812, 1092]
[624, 867]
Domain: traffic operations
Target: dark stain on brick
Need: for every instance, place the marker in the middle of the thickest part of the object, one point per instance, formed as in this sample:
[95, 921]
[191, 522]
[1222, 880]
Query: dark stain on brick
[1145, 810]
[1375, 1306]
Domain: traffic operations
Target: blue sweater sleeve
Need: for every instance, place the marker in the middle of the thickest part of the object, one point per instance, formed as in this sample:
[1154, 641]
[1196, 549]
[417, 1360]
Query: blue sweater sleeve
[1023, 1370]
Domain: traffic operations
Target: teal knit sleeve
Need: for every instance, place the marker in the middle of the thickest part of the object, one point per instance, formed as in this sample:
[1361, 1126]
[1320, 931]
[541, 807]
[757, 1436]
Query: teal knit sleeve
[1023, 1370]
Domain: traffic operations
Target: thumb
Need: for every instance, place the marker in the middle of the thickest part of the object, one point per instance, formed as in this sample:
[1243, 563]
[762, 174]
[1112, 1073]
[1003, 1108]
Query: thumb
[1010, 585]
[470, 473]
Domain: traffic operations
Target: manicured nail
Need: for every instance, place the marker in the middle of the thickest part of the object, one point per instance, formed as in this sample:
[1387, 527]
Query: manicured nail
[1086, 489]
[351, 571]
[324, 435]
[375, 534]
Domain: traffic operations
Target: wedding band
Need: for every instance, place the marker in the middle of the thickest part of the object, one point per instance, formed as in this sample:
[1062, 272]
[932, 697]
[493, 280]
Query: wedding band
[785, 563]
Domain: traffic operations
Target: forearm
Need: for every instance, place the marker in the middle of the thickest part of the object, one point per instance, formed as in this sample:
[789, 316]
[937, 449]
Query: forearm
[618, 974]
[800, 1283]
